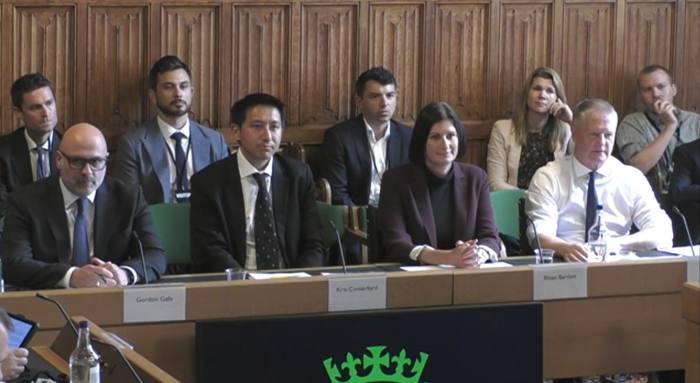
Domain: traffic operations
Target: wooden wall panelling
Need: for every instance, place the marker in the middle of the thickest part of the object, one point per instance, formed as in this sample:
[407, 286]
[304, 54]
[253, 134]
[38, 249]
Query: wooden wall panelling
[588, 31]
[395, 41]
[525, 44]
[328, 63]
[261, 50]
[192, 33]
[117, 69]
[461, 49]
[44, 41]
[688, 80]
[649, 39]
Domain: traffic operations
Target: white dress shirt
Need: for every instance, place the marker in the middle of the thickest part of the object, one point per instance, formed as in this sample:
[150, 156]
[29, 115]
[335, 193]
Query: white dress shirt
[33, 155]
[167, 131]
[249, 188]
[377, 153]
[556, 201]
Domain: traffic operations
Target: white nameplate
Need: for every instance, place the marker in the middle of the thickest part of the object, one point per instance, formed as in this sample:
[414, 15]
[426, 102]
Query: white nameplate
[693, 274]
[560, 281]
[357, 291]
[156, 303]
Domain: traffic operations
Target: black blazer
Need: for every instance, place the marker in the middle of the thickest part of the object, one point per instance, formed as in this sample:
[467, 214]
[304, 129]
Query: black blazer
[15, 166]
[217, 215]
[347, 164]
[36, 244]
[684, 189]
[142, 158]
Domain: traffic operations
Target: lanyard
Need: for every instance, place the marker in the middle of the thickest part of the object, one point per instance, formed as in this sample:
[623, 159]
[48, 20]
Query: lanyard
[172, 156]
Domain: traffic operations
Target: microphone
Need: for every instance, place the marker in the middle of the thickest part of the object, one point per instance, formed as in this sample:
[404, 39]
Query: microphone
[143, 258]
[687, 230]
[537, 237]
[98, 341]
[60, 307]
[340, 246]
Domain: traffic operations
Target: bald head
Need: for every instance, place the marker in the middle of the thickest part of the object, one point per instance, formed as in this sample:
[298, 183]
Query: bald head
[81, 159]
[83, 135]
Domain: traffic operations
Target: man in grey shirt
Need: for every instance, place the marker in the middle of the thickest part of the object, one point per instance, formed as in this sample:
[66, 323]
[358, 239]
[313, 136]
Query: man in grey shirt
[647, 139]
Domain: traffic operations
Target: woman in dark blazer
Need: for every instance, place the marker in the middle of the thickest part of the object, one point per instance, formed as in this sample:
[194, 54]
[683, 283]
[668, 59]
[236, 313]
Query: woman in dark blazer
[436, 210]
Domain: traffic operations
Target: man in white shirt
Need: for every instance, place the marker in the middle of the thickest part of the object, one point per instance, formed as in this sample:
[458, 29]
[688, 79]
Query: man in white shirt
[256, 209]
[358, 151]
[76, 229]
[26, 155]
[558, 197]
[162, 155]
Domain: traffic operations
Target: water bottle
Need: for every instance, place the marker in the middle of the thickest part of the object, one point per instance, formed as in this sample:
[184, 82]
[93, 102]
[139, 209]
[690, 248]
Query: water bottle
[598, 236]
[84, 363]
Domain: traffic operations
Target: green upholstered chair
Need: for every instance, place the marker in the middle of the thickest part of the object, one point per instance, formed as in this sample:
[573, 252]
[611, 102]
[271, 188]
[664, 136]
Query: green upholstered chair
[172, 223]
[505, 210]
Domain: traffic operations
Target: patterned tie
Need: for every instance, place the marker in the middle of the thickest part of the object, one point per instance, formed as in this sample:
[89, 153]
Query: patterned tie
[267, 248]
[81, 248]
[181, 181]
[591, 203]
[41, 169]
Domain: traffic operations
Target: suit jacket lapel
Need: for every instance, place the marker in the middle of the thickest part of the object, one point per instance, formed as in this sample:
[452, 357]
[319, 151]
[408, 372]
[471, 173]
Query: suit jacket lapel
[280, 194]
[157, 151]
[362, 148]
[20, 158]
[460, 208]
[103, 207]
[235, 201]
[57, 221]
[55, 142]
[419, 186]
[393, 147]
[200, 147]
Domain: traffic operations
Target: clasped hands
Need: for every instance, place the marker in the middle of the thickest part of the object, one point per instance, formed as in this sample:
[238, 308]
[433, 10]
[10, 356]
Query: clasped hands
[99, 274]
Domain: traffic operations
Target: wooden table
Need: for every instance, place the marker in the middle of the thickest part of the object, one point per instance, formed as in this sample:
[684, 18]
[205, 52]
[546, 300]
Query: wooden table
[691, 312]
[631, 321]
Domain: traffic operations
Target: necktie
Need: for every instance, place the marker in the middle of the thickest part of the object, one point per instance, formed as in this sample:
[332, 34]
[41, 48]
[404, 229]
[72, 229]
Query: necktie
[41, 168]
[591, 203]
[181, 181]
[81, 248]
[267, 248]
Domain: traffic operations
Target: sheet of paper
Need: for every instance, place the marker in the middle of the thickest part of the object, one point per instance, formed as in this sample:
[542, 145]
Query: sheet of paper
[278, 275]
[560, 281]
[683, 250]
[495, 265]
[155, 303]
[420, 268]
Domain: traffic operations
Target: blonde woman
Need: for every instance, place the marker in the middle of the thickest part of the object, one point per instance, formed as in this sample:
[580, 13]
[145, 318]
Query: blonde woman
[538, 133]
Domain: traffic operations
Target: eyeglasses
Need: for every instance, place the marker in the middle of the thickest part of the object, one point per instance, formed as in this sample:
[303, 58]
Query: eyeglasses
[77, 163]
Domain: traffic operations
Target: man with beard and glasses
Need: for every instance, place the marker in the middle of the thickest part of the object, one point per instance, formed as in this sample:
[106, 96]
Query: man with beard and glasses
[76, 228]
[162, 155]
